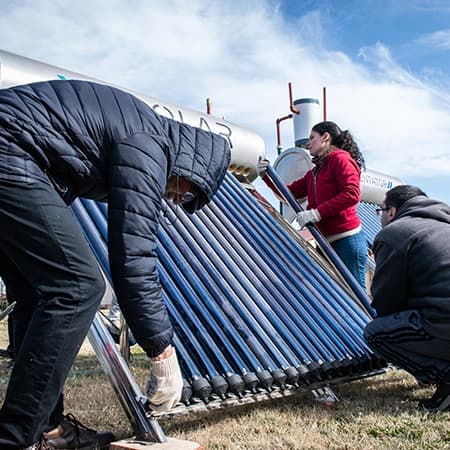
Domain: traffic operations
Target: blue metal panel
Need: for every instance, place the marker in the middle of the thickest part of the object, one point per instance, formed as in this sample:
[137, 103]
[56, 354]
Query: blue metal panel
[370, 221]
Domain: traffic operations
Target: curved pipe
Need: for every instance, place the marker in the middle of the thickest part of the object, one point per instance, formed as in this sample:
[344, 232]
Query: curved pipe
[292, 108]
[278, 121]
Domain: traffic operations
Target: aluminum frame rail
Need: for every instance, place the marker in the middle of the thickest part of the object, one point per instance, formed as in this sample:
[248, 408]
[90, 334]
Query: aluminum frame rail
[133, 401]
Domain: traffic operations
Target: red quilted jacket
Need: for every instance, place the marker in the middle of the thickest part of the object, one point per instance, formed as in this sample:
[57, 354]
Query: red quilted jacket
[333, 188]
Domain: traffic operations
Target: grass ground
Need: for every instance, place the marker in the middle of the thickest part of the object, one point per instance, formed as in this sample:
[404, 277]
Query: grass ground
[376, 413]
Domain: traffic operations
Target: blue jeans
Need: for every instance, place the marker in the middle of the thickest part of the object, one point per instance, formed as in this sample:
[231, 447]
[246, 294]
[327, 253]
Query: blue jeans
[51, 273]
[353, 252]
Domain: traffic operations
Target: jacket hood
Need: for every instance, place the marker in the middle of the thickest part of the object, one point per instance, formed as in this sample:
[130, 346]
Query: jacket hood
[426, 208]
[200, 156]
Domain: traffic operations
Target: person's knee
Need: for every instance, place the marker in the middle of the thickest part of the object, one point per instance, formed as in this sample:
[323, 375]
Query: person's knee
[370, 334]
[98, 288]
[93, 285]
[367, 333]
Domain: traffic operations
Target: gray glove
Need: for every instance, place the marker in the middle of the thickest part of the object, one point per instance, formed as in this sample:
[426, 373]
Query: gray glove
[165, 384]
[261, 166]
[308, 216]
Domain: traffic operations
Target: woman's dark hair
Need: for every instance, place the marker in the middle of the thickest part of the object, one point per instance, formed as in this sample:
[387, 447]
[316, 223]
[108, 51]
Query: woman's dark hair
[400, 194]
[341, 139]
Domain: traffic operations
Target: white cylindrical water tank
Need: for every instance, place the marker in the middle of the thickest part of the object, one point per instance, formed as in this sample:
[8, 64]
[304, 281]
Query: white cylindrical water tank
[309, 115]
[292, 164]
[375, 184]
[246, 145]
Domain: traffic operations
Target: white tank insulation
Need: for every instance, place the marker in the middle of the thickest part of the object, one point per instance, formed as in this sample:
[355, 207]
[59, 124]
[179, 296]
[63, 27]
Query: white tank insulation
[246, 145]
[375, 184]
[310, 114]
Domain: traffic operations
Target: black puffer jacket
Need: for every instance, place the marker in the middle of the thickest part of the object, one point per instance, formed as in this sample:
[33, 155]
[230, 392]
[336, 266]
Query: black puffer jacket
[99, 142]
[412, 255]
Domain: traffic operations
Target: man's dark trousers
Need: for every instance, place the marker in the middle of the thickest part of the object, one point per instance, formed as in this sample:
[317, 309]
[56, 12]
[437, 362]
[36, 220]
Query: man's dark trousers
[401, 339]
[47, 264]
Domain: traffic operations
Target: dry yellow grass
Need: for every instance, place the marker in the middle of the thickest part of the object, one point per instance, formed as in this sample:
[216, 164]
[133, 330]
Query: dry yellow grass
[376, 413]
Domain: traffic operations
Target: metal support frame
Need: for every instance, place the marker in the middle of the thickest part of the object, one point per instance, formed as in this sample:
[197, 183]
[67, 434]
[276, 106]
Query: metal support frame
[130, 395]
[7, 311]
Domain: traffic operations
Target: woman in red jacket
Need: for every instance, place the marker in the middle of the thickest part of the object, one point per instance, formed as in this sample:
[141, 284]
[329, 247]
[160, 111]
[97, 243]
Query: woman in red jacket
[332, 189]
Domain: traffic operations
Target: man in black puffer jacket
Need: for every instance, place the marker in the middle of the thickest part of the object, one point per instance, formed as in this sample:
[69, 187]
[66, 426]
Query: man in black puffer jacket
[60, 140]
[411, 289]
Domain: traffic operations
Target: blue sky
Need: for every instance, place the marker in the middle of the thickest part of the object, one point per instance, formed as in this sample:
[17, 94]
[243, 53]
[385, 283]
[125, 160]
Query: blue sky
[417, 33]
[385, 64]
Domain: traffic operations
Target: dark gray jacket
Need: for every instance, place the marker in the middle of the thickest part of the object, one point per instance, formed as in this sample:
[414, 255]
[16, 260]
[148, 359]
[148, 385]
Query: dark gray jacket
[99, 142]
[412, 256]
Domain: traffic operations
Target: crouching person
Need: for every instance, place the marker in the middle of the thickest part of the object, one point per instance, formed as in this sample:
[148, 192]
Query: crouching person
[411, 290]
[60, 140]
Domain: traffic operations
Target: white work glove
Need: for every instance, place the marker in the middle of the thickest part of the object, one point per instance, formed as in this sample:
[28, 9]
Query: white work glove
[165, 384]
[308, 216]
[261, 166]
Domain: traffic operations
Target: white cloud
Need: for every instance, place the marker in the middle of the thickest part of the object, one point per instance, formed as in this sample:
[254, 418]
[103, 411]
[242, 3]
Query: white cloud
[439, 39]
[242, 55]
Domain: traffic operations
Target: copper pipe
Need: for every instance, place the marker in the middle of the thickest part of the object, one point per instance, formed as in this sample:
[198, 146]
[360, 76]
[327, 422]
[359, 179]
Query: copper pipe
[289, 116]
[291, 101]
